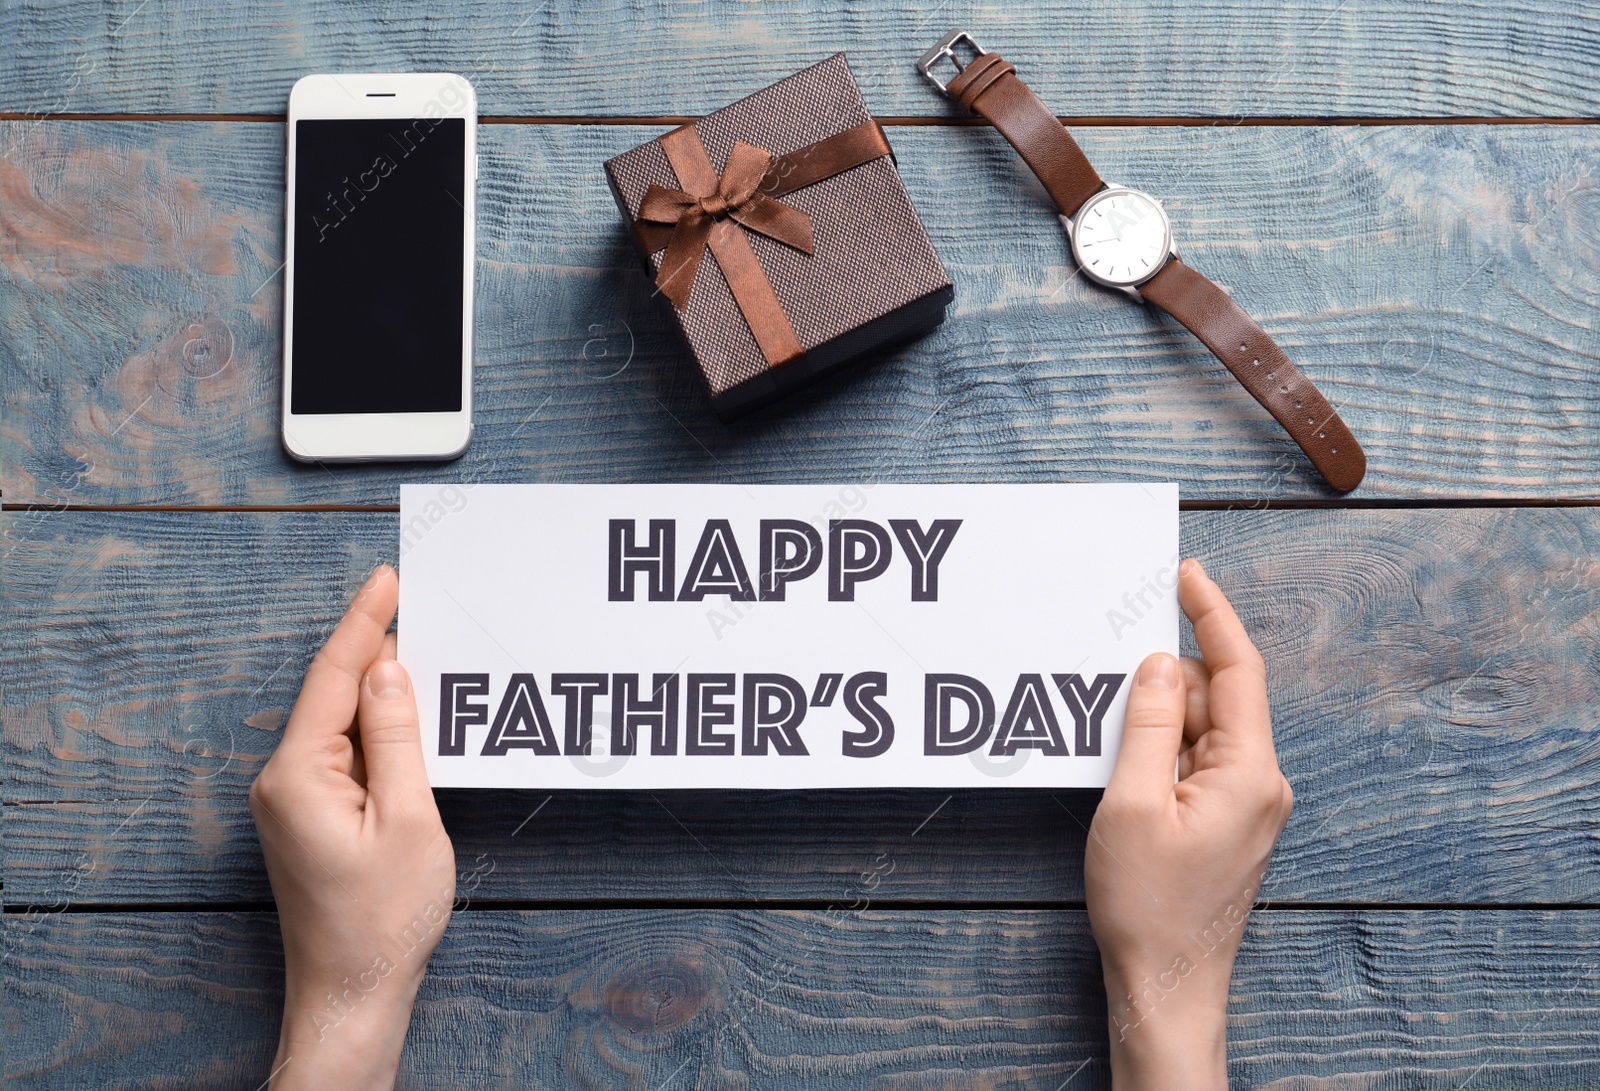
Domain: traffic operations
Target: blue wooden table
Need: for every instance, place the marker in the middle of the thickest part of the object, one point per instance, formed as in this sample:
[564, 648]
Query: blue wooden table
[1404, 192]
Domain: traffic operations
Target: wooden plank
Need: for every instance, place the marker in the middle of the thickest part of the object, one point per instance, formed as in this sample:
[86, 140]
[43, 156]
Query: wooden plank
[1430, 688]
[1438, 283]
[694, 846]
[895, 1000]
[1254, 57]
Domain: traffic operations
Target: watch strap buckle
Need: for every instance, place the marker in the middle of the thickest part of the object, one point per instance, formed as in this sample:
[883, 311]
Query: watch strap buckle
[944, 48]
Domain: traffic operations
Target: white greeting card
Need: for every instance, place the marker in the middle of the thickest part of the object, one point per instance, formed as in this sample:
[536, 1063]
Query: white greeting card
[781, 636]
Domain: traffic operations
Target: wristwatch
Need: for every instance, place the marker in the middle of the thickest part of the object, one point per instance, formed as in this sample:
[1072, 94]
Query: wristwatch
[1121, 238]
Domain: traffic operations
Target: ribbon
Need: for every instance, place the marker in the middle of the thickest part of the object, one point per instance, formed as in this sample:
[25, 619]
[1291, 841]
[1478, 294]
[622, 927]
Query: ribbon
[714, 212]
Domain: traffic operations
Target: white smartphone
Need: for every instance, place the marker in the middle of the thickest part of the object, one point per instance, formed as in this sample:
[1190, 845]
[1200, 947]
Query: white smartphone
[377, 310]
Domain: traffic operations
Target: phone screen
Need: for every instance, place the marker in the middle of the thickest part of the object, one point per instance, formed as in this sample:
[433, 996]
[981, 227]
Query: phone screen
[379, 237]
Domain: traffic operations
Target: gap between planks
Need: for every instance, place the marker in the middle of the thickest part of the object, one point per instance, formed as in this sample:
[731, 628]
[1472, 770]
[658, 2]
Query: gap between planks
[906, 905]
[1376, 504]
[1105, 121]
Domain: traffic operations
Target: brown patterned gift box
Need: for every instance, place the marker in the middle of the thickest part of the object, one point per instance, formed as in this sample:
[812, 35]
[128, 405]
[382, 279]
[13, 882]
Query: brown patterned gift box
[780, 232]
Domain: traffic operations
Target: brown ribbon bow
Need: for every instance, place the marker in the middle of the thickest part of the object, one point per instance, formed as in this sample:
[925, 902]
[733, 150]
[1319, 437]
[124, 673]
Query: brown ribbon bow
[710, 210]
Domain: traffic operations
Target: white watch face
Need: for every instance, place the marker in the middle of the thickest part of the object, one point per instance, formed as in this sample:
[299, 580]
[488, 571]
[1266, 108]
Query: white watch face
[1121, 237]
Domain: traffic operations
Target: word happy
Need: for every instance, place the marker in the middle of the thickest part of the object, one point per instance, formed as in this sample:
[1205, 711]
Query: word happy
[789, 550]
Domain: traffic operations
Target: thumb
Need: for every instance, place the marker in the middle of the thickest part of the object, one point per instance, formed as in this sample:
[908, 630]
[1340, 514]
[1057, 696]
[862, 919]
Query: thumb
[1152, 730]
[391, 739]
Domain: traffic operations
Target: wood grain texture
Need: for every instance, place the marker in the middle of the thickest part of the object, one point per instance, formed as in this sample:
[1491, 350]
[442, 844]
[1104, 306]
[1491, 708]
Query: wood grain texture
[1432, 679]
[1129, 57]
[1434, 682]
[891, 1001]
[1439, 283]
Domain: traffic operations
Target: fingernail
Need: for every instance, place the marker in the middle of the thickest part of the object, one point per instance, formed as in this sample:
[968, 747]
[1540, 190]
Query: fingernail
[387, 680]
[373, 577]
[1194, 564]
[1160, 671]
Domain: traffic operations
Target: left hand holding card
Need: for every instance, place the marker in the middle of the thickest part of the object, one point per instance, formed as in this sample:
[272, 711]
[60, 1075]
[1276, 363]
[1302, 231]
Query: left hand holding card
[361, 867]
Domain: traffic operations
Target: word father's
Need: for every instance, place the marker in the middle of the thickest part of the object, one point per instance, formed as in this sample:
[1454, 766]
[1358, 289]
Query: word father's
[766, 717]
[790, 550]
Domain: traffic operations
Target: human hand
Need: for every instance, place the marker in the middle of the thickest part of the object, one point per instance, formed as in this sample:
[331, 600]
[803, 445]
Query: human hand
[361, 867]
[1171, 869]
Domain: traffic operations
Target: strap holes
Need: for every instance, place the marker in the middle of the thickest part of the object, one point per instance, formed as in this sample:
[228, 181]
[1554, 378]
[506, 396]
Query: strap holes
[1283, 389]
[1269, 374]
[1257, 363]
[1320, 435]
[1311, 420]
[1244, 348]
[1333, 450]
[1298, 405]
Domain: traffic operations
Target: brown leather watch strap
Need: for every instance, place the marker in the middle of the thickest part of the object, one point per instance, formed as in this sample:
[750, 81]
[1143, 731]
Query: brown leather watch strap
[989, 86]
[1263, 369]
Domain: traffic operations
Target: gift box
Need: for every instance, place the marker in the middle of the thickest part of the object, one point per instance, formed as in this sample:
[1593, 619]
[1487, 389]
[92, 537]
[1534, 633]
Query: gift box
[779, 233]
